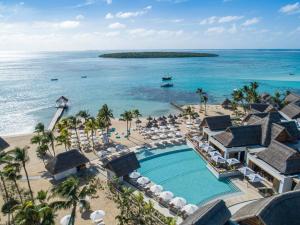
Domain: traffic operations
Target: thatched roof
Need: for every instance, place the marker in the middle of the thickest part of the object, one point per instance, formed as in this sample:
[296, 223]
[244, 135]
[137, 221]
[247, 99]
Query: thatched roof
[3, 144]
[240, 136]
[226, 103]
[282, 157]
[215, 123]
[292, 130]
[292, 98]
[215, 213]
[292, 110]
[62, 98]
[65, 161]
[265, 97]
[280, 209]
[254, 117]
[123, 165]
[258, 107]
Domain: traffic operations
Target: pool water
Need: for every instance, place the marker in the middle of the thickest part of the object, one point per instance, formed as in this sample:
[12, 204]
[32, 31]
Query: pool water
[182, 171]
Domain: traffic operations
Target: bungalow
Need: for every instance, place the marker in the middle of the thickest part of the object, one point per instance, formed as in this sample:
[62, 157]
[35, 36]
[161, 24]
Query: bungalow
[3, 144]
[213, 125]
[261, 107]
[226, 104]
[276, 210]
[121, 166]
[291, 111]
[292, 97]
[66, 164]
[62, 102]
[214, 213]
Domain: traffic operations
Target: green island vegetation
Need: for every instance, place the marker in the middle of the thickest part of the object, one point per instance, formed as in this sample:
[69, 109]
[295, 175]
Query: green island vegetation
[128, 55]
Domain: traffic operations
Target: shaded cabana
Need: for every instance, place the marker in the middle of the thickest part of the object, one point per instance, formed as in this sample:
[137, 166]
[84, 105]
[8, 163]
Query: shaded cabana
[3, 144]
[212, 125]
[122, 165]
[66, 163]
[276, 210]
[214, 213]
[62, 102]
[226, 104]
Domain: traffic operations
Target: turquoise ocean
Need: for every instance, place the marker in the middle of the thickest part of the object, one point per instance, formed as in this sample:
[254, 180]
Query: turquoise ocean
[27, 95]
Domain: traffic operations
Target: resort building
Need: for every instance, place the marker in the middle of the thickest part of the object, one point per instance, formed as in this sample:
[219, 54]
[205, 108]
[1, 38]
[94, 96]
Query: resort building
[121, 166]
[291, 111]
[213, 125]
[66, 164]
[276, 210]
[215, 213]
[261, 108]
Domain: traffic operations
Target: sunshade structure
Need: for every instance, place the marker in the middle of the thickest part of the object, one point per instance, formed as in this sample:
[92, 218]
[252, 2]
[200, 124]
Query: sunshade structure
[233, 161]
[214, 153]
[97, 216]
[166, 195]
[246, 171]
[255, 178]
[65, 220]
[178, 202]
[143, 180]
[189, 209]
[134, 175]
[219, 159]
[156, 189]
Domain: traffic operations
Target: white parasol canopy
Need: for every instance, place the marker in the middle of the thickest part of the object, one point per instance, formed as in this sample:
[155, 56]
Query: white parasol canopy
[178, 202]
[156, 189]
[111, 149]
[189, 209]
[219, 159]
[232, 161]
[246, 171]
[97, 216]
[166, 195]
[134, 175]
[254, 178]
[65, 220]
[214, 153]
[143, 180]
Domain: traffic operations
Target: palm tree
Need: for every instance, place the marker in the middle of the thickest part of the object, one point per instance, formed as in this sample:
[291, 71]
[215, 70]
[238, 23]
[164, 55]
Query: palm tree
[127, 116]
[234, 106]
[20, 156]
[83, 114]
[91, 125]
[238, 96]
[205, 99]
[39, 128]
[63, 139]
[73, 123]
[72, 194]
[41, 152]
[4, 159]
[189, 112]
[200, 92]
[50, 138]
[27, 214]
[105, 115]
[12, 172]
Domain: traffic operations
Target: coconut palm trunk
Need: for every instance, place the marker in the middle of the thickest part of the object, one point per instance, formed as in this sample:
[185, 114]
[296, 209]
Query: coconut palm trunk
[4, 187]
[18, 190]
[28, 182]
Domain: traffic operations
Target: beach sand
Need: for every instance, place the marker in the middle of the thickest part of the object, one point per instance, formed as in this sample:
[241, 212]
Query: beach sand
[36, 167]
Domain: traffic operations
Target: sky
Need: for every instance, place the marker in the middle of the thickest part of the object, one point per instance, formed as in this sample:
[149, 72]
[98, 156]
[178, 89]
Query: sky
[55, 25]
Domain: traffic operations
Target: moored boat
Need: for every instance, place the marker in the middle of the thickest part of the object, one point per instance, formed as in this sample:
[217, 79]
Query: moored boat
[167, 85]
[166, 78]
[83, 76]
[54, 79]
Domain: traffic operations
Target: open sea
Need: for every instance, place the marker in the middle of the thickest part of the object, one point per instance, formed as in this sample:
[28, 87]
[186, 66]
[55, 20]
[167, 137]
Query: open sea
[27, 95]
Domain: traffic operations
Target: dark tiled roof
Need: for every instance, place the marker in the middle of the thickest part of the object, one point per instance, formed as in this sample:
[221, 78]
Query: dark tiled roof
[216, 123]
[282, 157]
[62, 98]
[123, 165]
[280, 209]
[240, 136]
[215, 213]
[3, 144]
[292, 110]
[292, 98]
[65, 161]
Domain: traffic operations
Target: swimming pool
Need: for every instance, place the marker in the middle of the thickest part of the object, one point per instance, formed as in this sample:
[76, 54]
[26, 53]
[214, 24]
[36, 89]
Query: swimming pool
[182, 171]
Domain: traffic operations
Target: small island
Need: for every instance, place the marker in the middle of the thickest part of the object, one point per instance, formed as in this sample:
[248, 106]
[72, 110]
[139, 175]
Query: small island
[128, 55]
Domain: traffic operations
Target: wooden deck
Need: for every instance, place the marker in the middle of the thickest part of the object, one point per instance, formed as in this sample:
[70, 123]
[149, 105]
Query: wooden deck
[59, 112]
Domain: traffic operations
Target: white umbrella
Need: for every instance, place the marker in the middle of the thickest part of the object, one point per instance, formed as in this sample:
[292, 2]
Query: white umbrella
[246, 171]
[65, 220]
[166, 195]
[219, 159]
[143, 180]
[134, 175]
[97, 216]
[101, 154]
[214, 153]
[232, 161]
[189, 209]
[111, 149]
[156, 189]
[208, 148]
[163, 136]
[155, 137]
[178, 134]
[254, 178]
[178, 202]
[170, 135]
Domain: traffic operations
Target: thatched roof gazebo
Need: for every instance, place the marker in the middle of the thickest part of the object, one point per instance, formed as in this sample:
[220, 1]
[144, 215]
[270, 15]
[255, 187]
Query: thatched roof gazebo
[214, 213]
[276, 210]
[226, 104]
[216, 123]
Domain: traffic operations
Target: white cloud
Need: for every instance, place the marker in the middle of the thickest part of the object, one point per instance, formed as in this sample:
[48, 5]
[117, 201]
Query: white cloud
[250, 22]
[215, 30]
[86, 3]
[126, 15]
[79, 17]
[117, 25]
[68, 24]
[216, 19]
[108, 2]
[290, 8]
[142, 32]
[113, 34]
[109, 16]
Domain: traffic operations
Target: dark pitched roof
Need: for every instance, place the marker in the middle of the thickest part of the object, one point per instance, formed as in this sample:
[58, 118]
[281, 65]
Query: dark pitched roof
[292, 130]
[215, 213]
[3, 144]
[62, 98]
[280, 209]
[292, 98]
[66, 160]
[282, 157]
[216, 123]
[292, 110]
[254, 117]
[297, 187]
[240, 136]
[265, 97]
[226, 103]
[258, 107]
[123, 165]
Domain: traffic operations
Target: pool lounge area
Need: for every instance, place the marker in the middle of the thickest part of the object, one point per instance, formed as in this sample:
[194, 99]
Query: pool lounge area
[181, 170]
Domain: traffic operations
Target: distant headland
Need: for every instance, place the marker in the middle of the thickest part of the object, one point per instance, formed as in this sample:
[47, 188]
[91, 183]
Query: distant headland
[128, 55]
